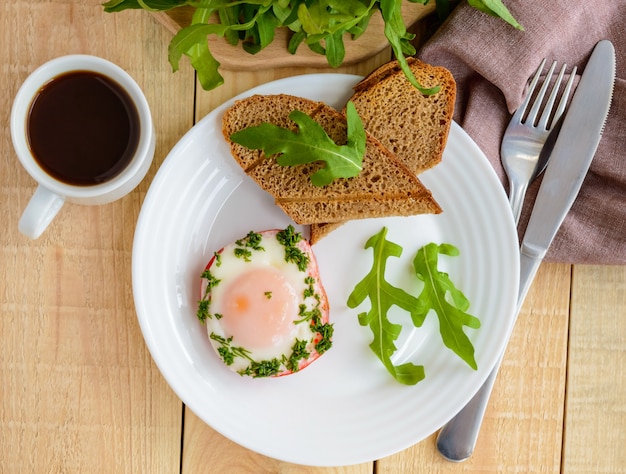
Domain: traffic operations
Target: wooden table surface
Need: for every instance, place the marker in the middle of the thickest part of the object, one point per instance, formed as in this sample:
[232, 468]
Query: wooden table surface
[79, 391]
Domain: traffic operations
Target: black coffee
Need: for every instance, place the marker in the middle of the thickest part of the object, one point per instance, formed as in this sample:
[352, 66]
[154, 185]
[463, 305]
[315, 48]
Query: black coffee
[83, 128]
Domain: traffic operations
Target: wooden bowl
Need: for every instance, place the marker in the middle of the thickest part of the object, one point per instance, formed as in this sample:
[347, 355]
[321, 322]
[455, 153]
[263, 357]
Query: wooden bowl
[275, 55]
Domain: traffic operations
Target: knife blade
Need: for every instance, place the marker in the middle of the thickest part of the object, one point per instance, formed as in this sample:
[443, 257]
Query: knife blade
[571, 157]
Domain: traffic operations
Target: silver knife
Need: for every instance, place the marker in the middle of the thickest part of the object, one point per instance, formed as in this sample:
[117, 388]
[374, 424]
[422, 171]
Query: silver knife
[569, 162]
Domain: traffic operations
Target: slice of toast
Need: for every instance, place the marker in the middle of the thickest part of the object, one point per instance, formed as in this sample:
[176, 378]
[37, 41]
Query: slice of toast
[411, 125]
[384, 187]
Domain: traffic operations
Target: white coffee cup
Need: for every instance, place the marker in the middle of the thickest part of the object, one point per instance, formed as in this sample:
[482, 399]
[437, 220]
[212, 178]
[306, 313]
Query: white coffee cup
[51, 192]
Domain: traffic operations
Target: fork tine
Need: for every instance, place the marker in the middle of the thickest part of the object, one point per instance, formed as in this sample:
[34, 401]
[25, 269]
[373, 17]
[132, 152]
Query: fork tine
[547, 111]
[544, 121]
[521, 110]
[563, 102]
[532, 115]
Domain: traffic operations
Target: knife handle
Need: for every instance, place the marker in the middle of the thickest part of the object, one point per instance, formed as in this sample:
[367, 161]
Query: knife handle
[457, 439]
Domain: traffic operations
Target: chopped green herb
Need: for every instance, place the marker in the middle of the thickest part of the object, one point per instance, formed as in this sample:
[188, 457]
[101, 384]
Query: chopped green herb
[211, 280]
[314, 318]
[204, 304]
[289, 239]
[243, 253]
[297, 256]
[326, 331]
[268, 295]
[203, 310]
[308, 314]
[264, 368]
[298, 353]
[228, 352]
[310, 289]
[252, 241]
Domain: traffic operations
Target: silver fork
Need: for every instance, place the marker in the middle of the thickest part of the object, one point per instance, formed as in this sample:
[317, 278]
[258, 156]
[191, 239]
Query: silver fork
[524, 138]
[523, 160]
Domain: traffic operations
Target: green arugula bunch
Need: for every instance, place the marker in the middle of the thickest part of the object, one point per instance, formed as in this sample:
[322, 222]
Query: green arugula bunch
[450, 311]
[319, 24]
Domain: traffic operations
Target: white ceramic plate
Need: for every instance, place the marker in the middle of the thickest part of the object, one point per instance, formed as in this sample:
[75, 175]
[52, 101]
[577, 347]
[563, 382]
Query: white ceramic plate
[345, 408]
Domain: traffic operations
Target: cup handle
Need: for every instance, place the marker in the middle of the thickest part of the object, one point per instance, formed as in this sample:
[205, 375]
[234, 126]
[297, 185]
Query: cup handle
[41, 209]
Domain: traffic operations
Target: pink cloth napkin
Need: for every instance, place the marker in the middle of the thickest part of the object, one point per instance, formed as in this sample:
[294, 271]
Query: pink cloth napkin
[492, 62]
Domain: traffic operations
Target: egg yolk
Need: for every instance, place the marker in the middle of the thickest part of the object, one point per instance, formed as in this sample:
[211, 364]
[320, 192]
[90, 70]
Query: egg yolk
[259, 308]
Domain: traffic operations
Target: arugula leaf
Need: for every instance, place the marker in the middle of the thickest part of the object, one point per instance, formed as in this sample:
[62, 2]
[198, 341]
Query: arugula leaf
[452, 315]
[399, 39]
[310, 144]
[450, 310]
[326, 21]
[267, 24]
[149, 5]
[382, 296]
[443, 9]
[119, 5]
[335, 49]
[191, 41]
[495, 8]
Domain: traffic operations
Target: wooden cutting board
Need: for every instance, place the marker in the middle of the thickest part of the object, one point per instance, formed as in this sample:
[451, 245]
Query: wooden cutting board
[275, 55]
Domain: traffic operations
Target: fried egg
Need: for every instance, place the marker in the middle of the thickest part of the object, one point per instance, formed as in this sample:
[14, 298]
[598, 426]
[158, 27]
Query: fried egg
[264, 306]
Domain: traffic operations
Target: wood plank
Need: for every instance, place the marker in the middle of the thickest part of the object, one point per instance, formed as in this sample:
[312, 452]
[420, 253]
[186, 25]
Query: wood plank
[595, 426]
[523, 424]
[79, 390]
[205, 447]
